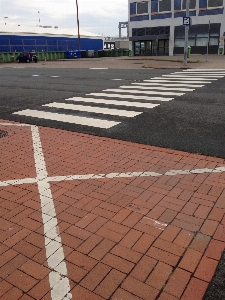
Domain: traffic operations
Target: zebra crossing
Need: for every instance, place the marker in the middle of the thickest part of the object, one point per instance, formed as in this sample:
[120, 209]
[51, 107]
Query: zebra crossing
[112, 106]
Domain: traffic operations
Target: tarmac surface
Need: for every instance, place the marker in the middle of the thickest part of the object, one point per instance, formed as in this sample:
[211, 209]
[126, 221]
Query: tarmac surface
[87, 217]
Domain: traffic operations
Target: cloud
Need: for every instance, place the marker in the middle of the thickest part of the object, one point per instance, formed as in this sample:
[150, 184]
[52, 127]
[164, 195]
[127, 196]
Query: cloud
[97, 16]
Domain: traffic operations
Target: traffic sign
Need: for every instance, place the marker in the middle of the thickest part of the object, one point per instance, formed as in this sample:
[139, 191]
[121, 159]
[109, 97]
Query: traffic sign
[186, 21]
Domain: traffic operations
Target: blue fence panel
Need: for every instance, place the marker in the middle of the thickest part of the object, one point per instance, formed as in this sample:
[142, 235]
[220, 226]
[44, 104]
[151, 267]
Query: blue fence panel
[29, 42]
[46, 43]
[4, 48]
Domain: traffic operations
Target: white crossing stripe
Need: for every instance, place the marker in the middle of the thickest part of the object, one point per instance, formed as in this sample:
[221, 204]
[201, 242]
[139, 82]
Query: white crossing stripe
[113, 102]
[93, 109]
[128, 97]
[67, 118]
[205, 73]
[180, 80]
[144, 92]
[194, 77]
[210, 70]
[168, 84]
[156, 88]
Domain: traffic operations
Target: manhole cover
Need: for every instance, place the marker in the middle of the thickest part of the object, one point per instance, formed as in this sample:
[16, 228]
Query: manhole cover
[3, 133]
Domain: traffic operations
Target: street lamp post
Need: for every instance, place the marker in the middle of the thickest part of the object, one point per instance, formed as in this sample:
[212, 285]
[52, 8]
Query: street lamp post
[78, 26]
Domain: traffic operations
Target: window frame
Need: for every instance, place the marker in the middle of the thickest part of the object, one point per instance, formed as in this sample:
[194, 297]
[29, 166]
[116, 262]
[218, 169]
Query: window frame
[137, 8]
[166, 11]
[191, 9]
[213, 7]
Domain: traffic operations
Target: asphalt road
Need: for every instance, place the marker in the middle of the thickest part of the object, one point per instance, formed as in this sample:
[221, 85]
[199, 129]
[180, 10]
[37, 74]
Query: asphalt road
[193, 122]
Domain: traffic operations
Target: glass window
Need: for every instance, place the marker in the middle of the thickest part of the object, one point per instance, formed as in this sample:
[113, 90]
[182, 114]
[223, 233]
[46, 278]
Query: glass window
[201, 41]
[215, 3]
[191, 42]
[179, 43]
[137, 48]
[214, 41]
[142, 8]
[192, 4]
[164, 5]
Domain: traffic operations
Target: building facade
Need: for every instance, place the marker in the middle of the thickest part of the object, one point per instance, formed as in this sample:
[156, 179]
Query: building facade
[156, 26]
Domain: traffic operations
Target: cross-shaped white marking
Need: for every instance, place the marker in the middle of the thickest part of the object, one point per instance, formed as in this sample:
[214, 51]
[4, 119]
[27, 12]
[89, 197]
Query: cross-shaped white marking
[58, 277]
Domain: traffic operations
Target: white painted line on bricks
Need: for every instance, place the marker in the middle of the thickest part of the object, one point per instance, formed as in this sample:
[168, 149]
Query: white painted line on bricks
[168, 84]
[155, 223]
[43, 188]
[60, 288]
[97, 110]
[175, 80]
[67, 118]
[156, 88]
[130, 97]
[144, 92]
[112, 102]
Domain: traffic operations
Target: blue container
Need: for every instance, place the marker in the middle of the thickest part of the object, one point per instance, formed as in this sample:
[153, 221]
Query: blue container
[73, 54]
[77, 54]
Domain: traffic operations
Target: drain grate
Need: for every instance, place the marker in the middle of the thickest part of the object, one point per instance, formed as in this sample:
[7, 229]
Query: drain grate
[3, 133]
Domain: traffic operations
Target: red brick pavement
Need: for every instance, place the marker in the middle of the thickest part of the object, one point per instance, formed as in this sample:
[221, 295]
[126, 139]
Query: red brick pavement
[123, 238]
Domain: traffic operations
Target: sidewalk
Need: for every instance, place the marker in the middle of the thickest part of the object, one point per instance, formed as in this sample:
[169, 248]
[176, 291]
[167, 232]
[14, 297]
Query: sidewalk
[134, 62]
[90, 218]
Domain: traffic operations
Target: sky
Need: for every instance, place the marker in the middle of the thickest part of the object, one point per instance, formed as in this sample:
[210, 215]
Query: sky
[99, 17]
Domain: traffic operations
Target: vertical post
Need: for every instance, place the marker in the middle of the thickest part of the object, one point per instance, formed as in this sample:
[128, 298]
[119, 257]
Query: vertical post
[186, 33]
[78, 26]
[208, 42]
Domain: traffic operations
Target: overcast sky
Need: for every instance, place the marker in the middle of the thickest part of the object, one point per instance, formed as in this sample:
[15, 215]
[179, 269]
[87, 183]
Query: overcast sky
[96, 16]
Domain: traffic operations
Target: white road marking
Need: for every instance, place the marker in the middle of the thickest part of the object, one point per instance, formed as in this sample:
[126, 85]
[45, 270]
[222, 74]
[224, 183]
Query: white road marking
[67, 118]
[112, 175]
[55, 76]
[193, 77]
[156, 88]
[175, 80]
[144, 92]
[210, 70]
[117, 79]
[113, 102]
[58, 280]
[167, 84]
[35, 75]
[98, 68]
[130, 96]
[97, 110]
[205, 73]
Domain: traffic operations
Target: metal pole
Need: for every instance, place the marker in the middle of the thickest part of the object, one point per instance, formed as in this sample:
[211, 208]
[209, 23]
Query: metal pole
[208, 43]
[78, 26]
[186, 33]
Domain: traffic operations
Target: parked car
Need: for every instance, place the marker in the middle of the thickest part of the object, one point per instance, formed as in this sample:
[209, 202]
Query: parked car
[27, 57]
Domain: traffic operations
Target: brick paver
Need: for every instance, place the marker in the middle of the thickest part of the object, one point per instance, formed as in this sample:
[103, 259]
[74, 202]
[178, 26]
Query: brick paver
[122, 238]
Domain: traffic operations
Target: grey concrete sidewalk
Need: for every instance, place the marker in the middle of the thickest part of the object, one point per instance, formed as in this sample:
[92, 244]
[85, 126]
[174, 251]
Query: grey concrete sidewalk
[134, 62]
